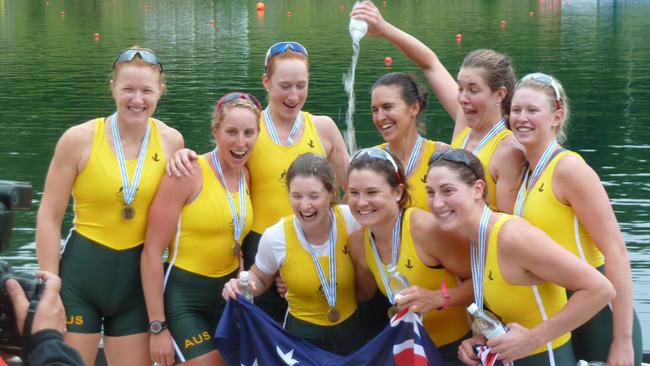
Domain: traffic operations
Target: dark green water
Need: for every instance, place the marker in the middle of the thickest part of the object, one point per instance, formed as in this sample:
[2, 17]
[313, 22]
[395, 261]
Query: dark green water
[54, 74]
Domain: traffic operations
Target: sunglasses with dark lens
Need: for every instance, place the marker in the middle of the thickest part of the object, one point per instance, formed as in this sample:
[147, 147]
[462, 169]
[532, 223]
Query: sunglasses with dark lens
[458, 156]
[546, 80]
[377, 153]
[146, 56]
[282, 47]
[233, 96]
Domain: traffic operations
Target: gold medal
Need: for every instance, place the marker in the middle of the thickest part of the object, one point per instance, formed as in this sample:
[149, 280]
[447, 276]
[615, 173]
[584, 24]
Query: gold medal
[128, 212]
[236, 249]
[392, 311]
[333, 315]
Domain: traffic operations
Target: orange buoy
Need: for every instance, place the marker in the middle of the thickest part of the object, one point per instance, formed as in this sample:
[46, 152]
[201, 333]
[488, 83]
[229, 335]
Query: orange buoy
[260, 6]
[62, 13]
[212, 23]
[388, 61]
[531, 14]
[96, 35]
[459, 37]
[503, 23]
[289, 13]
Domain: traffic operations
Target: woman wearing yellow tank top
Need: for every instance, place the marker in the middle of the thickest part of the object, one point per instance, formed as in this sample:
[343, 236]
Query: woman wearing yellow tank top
[517, 267]
[563, 196]
[309, 249]
[478, 102]
[286, 132]
[409, 238]
[397, 103]
[202, 219]
[112, 167]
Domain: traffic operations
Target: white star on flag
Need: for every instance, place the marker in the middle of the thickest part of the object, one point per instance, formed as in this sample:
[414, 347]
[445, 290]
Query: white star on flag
[286, 357]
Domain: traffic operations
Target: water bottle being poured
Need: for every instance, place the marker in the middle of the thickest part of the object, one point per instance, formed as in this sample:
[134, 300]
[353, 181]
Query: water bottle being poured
[358, 28]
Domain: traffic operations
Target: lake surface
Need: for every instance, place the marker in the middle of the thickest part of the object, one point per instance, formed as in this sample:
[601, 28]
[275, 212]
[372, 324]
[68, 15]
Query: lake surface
[54, 73]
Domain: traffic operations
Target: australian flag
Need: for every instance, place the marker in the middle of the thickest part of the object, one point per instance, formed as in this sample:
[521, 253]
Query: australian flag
[246, 336]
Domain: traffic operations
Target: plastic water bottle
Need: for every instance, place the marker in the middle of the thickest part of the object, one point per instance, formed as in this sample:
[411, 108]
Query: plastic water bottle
[244, 286]
[358, 28]
[485, 322]
[397, 281]
[592, 363]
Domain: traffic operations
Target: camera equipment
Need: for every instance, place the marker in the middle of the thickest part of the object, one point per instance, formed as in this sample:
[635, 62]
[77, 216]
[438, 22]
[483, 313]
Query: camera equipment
[13, 195]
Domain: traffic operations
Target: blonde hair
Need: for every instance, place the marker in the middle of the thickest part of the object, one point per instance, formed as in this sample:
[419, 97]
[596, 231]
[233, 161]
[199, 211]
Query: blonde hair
[561, 130]
[220, 113]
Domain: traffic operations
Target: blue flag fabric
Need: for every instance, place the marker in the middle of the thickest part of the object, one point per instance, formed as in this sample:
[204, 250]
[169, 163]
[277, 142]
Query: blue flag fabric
[247, 336]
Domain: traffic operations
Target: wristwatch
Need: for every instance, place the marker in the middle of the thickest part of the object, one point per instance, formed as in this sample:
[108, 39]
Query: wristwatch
[157, 326]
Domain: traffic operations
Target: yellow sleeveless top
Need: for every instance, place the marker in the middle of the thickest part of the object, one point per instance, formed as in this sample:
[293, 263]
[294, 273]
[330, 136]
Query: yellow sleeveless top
[515, 303]
[305, 295]
[485, 156]
[443, 327]
[544, 210]
[97, 192]
[418, 178]
[205, 243]
[268, 165]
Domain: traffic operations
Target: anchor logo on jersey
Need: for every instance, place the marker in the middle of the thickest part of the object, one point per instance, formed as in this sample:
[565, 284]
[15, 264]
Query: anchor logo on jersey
[423, 179]
[541, 188]
[120, 193]
[154, 157]
[311, 143]
[345, 250]
[283, 175]
[408, 264]
[490, 277]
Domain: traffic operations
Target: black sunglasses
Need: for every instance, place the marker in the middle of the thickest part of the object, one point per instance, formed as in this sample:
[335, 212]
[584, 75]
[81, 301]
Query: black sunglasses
[458, 156]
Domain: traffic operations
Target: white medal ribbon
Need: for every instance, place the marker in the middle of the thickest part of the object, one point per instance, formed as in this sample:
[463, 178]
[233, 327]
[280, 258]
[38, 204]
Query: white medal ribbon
[268, 122]
[413, 157]
[393, 261]
[529, 181]
[328, 289]
[501, 125]
[128, 191]
[478, 258]
[237, 220]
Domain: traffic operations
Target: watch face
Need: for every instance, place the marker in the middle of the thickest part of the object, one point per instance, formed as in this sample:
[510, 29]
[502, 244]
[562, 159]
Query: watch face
[156, 326]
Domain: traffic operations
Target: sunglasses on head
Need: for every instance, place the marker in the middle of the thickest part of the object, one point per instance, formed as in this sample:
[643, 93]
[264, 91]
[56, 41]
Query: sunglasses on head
[146, 56]
[546, 80]
[231, 97]
[458, 156]
[381, 154]
[282, 47]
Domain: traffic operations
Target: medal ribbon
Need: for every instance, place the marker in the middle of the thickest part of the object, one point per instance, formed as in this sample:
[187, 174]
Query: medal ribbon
[268, 122]
[484, 141]
[478, 259]
[237, 220]
[529, 181]
[328, 289]
[393, 261]
[413, 157]
[128, 191]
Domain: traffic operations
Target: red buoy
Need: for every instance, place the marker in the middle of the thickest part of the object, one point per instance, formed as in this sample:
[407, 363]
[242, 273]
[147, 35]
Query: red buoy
[459, 37]
[503, 23]
[96, 36]
[289, 13]
[212, 23]
[531, 14]
[62, 13]
[388, 61]
[260, 6]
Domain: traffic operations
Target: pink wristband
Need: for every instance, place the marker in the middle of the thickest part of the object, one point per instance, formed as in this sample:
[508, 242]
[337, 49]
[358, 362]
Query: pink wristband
[445, 294]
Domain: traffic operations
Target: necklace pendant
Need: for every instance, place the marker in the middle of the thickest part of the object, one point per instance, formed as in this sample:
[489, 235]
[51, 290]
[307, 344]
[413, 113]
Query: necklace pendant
[333, 315]
[128, 212]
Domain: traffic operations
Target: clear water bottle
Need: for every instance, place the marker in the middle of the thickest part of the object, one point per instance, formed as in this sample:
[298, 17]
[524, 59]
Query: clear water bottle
[592, 363]
[485, 322]
[397, 281]
[358, 28]
[244, 286]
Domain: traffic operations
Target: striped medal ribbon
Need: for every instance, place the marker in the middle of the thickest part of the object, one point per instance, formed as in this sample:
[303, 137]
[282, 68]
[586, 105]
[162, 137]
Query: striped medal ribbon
[397, 228]
[478, 257]
[413, 157]
[484, 141]
[268, 122]
[237, 220]
[329, 289]
[128, 190]
[529, 181]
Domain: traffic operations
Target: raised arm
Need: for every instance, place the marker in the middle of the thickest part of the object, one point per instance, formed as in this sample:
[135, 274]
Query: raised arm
[532, 257]
[579, 186]
[172, 194]
[69, 159]
[443, 84]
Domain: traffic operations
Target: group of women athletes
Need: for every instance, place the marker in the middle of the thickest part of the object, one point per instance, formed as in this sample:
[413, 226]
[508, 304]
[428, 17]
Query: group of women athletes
[504, 217]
